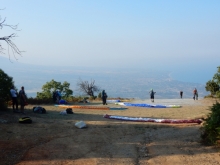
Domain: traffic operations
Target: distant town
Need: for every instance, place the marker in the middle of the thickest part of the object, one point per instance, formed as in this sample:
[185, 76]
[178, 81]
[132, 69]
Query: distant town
[122, 83]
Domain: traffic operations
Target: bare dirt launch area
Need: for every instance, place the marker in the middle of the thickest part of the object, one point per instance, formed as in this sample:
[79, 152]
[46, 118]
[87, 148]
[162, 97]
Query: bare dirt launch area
[54, 139]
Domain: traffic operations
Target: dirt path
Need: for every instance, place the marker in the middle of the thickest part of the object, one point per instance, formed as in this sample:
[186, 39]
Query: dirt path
[53, 139]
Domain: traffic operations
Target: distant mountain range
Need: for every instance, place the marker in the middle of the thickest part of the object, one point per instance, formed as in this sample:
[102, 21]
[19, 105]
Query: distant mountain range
[125, 83]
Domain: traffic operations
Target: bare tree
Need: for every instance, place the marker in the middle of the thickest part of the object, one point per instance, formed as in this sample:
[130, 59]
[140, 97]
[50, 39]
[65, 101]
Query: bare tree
[88, 87]
[8, 39]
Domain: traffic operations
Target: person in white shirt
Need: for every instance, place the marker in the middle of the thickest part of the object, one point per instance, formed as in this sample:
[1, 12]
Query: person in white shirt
[14, 96]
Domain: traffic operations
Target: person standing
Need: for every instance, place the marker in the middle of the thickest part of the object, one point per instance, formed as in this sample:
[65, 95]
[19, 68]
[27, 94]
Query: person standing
[181, 94]
[104, 97]
[22, 96]
[152, 93]
[58, 96]
[54, 96]
[14, 96]
[195, 94]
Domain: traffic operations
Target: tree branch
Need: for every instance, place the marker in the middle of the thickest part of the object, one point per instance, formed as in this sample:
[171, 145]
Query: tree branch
[8, 39]
[88, 88]
[2, 24]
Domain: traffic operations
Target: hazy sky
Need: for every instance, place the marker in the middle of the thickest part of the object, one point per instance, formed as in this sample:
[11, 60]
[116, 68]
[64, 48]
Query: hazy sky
[179, 36]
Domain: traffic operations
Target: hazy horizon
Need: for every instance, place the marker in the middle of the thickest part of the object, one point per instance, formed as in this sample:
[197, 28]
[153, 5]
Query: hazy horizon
[126, 83]
[180, 37]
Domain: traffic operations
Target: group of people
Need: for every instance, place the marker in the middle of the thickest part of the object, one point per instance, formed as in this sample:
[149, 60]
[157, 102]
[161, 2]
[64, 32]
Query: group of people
[195, 94]
[22, 98]
[57, 97]
[152, 93]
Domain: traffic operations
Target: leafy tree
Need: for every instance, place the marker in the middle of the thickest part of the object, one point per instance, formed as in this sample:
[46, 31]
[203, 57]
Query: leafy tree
[65, 91]
[218, 94]
[8, 39]
[216, 76]
[88, 88]
[211, 127]
[52, 86]
[214, 85]
[100, 95]
[6, 83]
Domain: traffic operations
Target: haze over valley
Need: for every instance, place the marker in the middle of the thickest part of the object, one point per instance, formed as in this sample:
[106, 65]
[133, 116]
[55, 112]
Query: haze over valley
[118, 82]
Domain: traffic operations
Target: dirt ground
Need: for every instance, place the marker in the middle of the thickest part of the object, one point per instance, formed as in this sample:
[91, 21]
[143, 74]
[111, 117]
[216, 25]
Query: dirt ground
[53, 138]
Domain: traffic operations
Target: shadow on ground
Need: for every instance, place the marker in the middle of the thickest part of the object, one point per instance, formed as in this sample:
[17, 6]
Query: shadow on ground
[54, 138]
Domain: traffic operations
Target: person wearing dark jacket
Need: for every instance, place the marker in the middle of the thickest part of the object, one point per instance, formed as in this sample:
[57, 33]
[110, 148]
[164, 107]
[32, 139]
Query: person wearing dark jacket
[104, 97]
[152, 93]
[181, 94]
[22, 96]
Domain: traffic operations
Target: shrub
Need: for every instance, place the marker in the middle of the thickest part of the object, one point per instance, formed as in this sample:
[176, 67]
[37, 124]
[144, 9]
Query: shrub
[74, 99]
[211, 127]
[36, 101]
[218, 94]
[6, 83]
[209, 96]
[100, 95]
[92, 97]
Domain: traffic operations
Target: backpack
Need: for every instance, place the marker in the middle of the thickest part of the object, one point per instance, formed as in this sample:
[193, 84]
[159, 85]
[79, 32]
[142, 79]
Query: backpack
[25, 120]
[69, 111]
[39, 110]
[22, 92]
[62, 102]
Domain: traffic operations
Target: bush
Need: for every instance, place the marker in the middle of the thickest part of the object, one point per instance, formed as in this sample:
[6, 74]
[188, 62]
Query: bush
[73, 99]
[209, 96]
[92, 97]
[218, 94]
[36, 101]
[6, 84]
[100, 95]
[211, 127]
